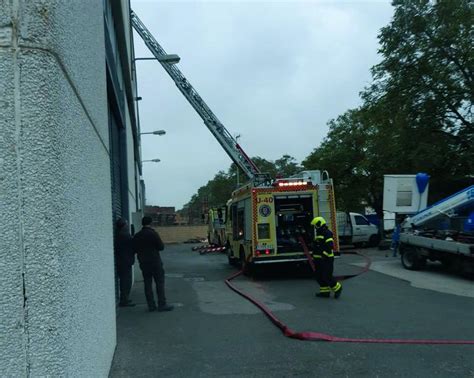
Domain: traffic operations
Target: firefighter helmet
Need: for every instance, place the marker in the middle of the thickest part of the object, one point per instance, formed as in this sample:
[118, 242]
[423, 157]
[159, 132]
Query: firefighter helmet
[318, 222]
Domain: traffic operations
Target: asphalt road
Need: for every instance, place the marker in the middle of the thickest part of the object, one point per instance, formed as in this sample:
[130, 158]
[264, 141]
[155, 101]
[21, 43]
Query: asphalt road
[213, 332]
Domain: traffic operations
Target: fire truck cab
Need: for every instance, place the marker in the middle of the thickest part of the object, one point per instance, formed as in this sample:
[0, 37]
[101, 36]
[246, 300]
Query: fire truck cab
[265, 222]
[216, 232]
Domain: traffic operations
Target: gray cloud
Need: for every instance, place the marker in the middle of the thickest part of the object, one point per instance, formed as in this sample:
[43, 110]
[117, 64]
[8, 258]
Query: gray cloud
[274, 72]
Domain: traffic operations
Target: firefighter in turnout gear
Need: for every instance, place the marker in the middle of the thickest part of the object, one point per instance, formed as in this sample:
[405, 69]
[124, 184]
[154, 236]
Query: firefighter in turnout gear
[323, 256]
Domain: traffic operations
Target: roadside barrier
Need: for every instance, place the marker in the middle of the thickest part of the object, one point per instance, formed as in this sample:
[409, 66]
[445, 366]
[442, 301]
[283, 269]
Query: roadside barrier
[203, 249]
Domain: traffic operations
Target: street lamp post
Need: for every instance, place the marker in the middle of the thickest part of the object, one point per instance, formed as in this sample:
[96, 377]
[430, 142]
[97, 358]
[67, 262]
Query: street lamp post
[168, 58]
[156, 132]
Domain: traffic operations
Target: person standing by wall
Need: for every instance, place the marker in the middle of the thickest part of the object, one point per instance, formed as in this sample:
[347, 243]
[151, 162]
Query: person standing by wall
[148, 244]
[323, 256]
[125, 258]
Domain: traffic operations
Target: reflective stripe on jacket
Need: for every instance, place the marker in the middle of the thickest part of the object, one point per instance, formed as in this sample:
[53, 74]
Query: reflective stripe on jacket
[323, 243]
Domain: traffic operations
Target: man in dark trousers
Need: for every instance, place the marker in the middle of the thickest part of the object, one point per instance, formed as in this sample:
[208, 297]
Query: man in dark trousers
[323, 256]
[147, 244]
[125, 258]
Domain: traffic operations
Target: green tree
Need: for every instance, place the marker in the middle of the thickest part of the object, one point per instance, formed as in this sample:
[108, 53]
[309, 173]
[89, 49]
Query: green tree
[287, 166]
[428, 63]
[218, 190]
[417, 114]
[423, 90]
[265, 166]
[343, 153]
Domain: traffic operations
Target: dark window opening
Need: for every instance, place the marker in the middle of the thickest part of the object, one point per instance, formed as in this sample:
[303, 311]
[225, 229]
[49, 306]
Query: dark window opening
[361, 221]
[238, 223]
[293, 219]
[263, 230]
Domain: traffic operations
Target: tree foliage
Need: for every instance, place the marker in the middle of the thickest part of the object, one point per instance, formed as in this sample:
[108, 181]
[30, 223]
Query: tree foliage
[218, 190]
[416, 115]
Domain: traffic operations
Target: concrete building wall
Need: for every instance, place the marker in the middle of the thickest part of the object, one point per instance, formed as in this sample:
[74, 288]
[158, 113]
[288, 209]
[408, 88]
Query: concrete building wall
[130, 109]
[12, 336]
[57, 309]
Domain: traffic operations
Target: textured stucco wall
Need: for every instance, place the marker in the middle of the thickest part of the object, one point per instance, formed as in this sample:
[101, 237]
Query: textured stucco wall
[12, 336]
[57, 310]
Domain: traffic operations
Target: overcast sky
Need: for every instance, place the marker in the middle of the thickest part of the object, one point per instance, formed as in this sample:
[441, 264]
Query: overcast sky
[274, 72]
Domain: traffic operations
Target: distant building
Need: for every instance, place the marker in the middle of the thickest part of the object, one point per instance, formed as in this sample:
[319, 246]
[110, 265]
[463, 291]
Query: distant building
[162, 216]
[182, 218]
[69, 168]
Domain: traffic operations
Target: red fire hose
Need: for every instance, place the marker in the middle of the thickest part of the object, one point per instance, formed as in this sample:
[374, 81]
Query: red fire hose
[317, 336]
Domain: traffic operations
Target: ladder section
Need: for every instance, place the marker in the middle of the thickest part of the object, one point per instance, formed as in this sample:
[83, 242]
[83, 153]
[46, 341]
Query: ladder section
[225, 139]
[447, 207]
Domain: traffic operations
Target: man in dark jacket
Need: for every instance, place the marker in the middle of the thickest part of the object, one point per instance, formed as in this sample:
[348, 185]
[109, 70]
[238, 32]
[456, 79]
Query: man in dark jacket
[125, 258]
[323, 256]
[147, 244]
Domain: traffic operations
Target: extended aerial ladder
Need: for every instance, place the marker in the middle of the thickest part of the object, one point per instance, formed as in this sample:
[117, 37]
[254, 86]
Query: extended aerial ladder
[445, 207]
[223, 136]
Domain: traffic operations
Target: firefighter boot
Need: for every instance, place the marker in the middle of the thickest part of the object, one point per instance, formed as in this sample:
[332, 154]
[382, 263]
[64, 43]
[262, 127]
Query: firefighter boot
[337, 290]
[324, 292]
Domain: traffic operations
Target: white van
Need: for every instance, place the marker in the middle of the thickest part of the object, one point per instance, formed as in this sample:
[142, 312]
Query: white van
[354, 228]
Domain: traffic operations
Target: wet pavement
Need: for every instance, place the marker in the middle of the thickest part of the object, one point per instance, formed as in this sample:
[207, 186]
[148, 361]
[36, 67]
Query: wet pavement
[214, 332]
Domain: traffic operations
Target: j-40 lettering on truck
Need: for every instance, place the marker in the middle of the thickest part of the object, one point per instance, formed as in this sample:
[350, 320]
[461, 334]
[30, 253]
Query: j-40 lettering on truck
[265, 222]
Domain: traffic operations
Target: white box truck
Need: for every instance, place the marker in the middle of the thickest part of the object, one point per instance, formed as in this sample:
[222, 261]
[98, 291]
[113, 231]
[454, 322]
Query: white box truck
[403, 195]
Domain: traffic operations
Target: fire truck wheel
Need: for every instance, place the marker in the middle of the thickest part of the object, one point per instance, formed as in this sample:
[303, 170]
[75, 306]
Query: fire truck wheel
[231, 261]
[249, 270]
[242, 259]
[245, 265]
[447, 263]
[230, 256]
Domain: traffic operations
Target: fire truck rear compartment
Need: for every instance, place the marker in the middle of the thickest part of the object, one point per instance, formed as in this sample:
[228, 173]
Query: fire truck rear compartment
[293, 218]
